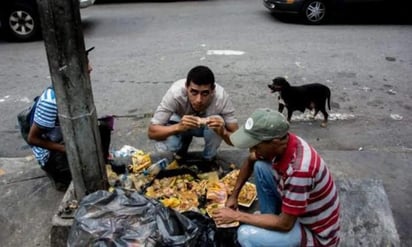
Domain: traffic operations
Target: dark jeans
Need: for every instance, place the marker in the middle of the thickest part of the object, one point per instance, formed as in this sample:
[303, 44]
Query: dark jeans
[57, 167]
[180, 143]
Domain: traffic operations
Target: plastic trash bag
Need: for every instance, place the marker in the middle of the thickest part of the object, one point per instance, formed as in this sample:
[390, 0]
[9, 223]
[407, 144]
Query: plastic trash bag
[129, 219]
[207, 229]
[209, 234]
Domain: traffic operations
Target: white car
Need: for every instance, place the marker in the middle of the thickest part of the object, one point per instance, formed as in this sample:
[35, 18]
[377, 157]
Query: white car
[19, 19]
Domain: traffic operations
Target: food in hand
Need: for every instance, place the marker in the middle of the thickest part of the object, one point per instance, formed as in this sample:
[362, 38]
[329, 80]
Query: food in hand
[212, 207]
[202, 121]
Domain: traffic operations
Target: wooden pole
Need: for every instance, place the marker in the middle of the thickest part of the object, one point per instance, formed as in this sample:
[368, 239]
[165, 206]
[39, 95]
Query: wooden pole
[63, 39]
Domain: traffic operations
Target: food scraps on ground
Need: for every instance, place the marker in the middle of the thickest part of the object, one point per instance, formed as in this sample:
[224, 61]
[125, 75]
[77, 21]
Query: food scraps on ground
[248, 192]
[184, 192]
[180, 192]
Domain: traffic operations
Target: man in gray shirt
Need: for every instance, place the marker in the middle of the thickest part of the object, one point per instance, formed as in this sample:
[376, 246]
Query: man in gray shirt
[195, 106]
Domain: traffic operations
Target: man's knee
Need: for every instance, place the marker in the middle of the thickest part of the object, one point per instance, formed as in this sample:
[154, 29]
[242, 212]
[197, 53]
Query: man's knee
[261, 166]
[171, 144]
[244, 235]
[249, 235]
[211, 138]
[57, 168]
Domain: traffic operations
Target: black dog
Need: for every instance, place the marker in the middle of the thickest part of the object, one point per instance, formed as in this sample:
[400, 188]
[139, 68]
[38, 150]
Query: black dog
[310, 96]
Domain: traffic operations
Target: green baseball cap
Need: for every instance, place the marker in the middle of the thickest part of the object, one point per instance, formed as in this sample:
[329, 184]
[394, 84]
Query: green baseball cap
[263, 125]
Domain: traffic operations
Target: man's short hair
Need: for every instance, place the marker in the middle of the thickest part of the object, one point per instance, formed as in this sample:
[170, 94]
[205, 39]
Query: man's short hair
[201, 75]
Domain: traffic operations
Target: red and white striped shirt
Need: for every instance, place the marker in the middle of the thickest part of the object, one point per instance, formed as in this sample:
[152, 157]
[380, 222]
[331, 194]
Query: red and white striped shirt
[309, 193]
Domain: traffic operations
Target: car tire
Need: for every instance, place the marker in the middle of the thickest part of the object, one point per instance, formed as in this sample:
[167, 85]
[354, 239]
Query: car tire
[21, 23]
[315, 11]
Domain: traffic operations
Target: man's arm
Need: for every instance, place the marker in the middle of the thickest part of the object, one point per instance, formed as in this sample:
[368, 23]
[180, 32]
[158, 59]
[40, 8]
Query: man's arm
[245, 172]
[160, 132]
[35, 139]
[283, 222]
[221, 128]
[228, 130]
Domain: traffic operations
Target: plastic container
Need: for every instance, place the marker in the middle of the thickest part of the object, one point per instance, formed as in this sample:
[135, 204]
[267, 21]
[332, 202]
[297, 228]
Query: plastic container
[125, 181]
[125, 151]
[154, 169]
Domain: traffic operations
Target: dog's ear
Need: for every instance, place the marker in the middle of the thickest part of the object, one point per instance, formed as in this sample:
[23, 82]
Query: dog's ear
[281, 81]
[278, 80]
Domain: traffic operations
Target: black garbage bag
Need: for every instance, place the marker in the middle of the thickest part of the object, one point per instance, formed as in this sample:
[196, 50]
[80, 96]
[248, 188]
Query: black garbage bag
[207, 229]
[227, 237]
[129, 219]
[211, 236]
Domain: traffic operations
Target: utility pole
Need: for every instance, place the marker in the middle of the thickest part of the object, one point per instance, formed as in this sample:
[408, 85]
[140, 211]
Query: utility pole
[64, 42]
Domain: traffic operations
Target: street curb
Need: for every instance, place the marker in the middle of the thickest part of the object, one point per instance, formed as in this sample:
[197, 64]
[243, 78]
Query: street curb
[366, 216]
[60, 229]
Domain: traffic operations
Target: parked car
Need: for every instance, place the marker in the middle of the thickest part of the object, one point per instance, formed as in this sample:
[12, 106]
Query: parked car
[317, 11]
[19, 19]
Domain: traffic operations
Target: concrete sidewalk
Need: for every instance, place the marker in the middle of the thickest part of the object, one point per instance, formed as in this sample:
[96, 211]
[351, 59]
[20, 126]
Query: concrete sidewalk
[28, 201]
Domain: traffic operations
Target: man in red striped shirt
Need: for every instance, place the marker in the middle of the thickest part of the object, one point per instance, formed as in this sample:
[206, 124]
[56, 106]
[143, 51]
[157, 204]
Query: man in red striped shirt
[298, 199]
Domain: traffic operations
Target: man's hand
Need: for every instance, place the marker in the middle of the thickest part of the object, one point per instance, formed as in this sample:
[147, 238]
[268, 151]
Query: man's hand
[232, 202]
[221, 128]
[225, 215]
[282, 222]
[217, 124]
[35, 139]
[188, 122]
[162, 132]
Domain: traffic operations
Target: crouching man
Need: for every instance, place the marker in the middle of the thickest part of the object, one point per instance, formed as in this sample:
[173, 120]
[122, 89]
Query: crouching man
[46, 139]
[298, 199]
[193, 107]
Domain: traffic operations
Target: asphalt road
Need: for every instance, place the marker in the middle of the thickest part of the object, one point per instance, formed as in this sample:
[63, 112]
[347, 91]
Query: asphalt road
[141, 48]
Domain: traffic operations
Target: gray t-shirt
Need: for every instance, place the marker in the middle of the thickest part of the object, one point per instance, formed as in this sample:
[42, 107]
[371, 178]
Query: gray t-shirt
[176, 101]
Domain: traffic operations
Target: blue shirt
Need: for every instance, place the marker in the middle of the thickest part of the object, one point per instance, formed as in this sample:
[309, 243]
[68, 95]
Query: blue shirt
[46, 118]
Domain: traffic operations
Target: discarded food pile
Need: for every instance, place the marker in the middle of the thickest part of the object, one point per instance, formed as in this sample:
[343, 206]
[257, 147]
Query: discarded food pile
[180, 192]
[248, 193]
[180, 188]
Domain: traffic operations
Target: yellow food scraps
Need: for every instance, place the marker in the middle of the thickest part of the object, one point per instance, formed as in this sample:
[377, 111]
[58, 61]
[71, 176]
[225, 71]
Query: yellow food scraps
[248, 192]
[140, 161]
[172, 202]
[172, 165]
[217, 192]
[182, 188]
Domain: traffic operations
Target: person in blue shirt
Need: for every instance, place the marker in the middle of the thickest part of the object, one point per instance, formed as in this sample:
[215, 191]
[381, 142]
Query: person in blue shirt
[46, 139]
